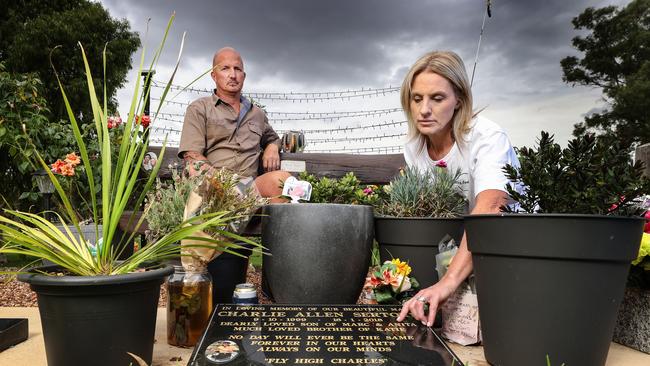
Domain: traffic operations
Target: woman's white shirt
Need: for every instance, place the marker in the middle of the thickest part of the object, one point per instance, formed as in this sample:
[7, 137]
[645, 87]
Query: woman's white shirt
[481, 156]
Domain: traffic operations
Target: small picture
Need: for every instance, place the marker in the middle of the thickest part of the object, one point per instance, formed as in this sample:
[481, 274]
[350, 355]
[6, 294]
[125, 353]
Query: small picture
[296, 189]
[222, 352]
[149, 161]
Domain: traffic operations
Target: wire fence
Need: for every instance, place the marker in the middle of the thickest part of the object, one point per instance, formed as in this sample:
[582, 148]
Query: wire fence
[356, 121]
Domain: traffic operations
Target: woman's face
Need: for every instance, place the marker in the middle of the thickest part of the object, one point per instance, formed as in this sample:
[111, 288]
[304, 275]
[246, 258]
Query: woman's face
[433, 103]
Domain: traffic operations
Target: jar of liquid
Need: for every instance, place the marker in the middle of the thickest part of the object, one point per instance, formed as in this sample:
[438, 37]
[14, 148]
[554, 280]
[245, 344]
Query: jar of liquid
[189, 304]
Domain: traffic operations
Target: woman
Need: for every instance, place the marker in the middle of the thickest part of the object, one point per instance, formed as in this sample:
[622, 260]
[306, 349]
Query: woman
[437, 100]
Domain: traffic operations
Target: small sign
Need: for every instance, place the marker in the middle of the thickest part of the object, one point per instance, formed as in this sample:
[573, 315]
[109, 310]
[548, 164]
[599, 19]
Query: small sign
[296, 189]
[294, 166]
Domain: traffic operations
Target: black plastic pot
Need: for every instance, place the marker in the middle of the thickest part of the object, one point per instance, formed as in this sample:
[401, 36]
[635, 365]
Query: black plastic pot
[416, 240]
[227, 271]
[550, 284]
[320, 253]
[95, 320]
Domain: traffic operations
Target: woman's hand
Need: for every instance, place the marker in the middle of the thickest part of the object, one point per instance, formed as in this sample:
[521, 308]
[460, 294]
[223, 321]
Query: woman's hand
[434, 296]
[488, 201]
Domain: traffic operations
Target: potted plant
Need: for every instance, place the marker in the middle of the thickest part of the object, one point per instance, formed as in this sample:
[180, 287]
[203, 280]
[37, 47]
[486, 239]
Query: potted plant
[166, 205]
[420, 209]
[632, 325]
[550, 282]
[93, 307]
[320, 251]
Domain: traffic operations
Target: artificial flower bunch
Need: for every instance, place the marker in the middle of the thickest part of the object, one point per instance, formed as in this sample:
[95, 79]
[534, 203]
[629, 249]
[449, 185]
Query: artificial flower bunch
[391, 283]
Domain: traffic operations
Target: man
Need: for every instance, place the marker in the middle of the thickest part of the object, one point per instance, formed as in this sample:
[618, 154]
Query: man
[227, 130]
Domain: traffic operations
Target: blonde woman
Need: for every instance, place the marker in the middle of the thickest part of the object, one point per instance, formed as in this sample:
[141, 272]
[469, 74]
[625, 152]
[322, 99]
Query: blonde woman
[437, 100]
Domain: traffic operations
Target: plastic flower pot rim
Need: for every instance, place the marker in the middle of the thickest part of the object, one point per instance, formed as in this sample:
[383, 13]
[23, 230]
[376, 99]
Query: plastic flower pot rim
[419, 218]
[301, 204]
[553, 215]
[34, 278]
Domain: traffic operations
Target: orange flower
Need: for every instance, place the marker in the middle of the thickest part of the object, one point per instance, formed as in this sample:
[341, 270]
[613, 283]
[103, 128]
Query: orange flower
[56, 167]
[67, 170]
[72, 159]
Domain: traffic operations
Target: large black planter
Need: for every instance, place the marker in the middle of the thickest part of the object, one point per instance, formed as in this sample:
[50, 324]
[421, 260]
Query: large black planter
[320, 253]
[95, 320]
[416, 240]
[550, 284]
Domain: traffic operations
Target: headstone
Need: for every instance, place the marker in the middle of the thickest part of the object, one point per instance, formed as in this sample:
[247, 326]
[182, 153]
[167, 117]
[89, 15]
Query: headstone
[317, 335]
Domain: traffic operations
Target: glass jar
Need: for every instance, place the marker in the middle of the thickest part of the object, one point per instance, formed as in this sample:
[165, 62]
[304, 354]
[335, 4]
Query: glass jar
[189, 304]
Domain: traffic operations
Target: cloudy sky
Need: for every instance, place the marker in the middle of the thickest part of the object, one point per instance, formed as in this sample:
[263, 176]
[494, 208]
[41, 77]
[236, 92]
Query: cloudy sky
[339, 45]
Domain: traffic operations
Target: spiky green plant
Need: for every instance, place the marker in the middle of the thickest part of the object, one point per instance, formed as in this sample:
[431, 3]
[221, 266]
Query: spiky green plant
[33, 235]
[432, 193]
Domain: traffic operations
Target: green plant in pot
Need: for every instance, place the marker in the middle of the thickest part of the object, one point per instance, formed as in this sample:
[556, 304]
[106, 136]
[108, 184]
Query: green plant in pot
[550, 282]
[320, 250]
[219, 190]
[93, 307]
[420, 209]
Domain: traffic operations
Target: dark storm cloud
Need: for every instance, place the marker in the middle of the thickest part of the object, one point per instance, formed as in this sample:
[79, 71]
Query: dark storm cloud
[346, 43]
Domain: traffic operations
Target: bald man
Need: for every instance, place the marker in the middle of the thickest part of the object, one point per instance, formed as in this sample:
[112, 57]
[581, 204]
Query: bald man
[227, 130]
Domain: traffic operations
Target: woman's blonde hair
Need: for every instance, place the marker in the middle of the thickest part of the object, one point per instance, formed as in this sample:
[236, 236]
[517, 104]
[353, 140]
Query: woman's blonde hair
[450, 66]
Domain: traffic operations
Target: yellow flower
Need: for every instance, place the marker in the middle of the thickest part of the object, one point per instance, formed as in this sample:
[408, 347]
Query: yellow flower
[403, 268]
[644, 250]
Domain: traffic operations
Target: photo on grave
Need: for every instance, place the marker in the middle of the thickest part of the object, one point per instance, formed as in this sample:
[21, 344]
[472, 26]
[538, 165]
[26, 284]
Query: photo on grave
[317, 335]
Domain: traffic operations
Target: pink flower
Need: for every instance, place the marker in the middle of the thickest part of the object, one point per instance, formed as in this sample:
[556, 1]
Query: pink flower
[367, 191]
[114, 121]
[441, 164]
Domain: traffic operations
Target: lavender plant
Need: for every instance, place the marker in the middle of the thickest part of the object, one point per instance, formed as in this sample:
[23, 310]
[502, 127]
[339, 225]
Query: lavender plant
[436, 192]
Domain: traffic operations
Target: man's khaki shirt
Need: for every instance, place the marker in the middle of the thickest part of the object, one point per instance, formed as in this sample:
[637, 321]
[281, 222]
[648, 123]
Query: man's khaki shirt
[211, 128]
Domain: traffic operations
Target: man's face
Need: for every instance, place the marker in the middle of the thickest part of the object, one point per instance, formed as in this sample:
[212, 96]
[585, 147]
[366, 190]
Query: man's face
[228, 72]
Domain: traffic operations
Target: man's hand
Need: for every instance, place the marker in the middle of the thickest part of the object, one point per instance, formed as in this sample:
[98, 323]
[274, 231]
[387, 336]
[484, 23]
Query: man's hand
[195, 163]
[271, 158]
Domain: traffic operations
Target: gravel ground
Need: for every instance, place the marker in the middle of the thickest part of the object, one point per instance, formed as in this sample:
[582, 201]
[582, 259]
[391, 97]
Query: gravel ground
[16, 293]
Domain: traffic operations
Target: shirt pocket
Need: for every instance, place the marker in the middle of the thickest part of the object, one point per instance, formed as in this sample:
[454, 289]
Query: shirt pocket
[252, 137]
[218, 130]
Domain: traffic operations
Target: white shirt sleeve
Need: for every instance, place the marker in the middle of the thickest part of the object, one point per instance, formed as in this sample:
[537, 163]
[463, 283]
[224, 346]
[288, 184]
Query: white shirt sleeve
[490, 153]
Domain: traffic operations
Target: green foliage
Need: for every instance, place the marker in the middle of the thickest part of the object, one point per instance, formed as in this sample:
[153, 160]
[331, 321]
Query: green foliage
[33, 235]
[24, 129]
[616, 58]
[221, 190]
[591, 176]
[432, 193]
[346, 190]
[166, 204]
[30, 30]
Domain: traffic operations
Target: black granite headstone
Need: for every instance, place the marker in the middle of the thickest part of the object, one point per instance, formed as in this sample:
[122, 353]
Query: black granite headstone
[317, 335]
